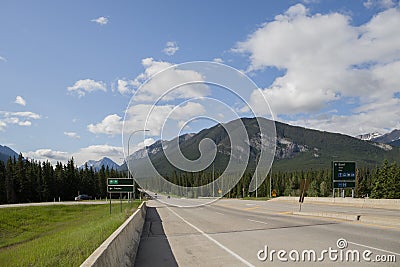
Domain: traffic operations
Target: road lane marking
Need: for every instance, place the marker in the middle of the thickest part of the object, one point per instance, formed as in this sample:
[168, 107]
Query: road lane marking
[252, 208]
[379, 249]
[257, 221]
[213, 240]
[219, 213]
[285, 212]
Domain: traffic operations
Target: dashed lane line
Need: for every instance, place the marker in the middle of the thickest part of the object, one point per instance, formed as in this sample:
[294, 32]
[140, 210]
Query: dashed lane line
[213, 240]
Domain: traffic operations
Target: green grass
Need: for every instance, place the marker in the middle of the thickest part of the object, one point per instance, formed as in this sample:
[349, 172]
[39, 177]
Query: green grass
[56, 235]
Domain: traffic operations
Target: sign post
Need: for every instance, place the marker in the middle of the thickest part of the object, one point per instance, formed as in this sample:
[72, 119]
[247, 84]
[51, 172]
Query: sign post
[303, 189]
[119, 185]
[344, 176]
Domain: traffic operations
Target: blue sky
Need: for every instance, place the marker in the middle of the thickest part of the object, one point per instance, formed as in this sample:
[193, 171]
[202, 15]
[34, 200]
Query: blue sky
[68, 69]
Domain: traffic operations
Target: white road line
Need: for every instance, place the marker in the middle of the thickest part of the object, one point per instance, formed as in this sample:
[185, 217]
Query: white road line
[379, 249]
[257, 221]
[213, 240]
[219, 213]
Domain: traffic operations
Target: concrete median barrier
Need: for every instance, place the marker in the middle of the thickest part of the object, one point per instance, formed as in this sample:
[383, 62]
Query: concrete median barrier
[333, 215]
[121, 247]
[348, 201]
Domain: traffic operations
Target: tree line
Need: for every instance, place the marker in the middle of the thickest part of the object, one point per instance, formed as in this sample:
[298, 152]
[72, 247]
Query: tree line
[34, 181]
[23, 181]
[379, 182]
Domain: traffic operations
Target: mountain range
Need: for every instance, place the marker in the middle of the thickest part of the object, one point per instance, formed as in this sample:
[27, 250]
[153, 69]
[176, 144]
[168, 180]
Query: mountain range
[6, 153]
[392, 138]
[97, 164]
[297, 148]
[369, 136]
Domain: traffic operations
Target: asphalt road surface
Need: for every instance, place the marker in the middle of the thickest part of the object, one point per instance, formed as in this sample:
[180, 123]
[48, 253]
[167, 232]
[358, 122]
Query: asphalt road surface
[263, 233]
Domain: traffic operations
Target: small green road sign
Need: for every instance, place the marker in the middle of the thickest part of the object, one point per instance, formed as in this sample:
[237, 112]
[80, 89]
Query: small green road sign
[112, 181]
[120, 181]
[120, 185]
[344, 184]
[119, 189]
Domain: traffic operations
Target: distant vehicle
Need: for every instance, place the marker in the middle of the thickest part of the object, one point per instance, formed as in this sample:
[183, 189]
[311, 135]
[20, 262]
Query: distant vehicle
[155, 195]
[83, 197]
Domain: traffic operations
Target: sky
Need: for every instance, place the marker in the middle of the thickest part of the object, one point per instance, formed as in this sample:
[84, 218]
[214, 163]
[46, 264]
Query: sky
[69, 70]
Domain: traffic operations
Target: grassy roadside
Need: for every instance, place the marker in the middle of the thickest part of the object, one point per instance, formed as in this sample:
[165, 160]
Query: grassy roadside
[56, 235]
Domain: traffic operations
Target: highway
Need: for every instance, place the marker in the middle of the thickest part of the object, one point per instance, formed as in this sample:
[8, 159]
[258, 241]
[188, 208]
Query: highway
[55, 203]
[244, 233]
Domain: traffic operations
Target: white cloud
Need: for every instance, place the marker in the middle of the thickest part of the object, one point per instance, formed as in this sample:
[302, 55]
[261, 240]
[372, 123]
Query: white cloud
[292, 13]
[82, 86]
[24, 123]
[16, 120]
[126, 86]
[20, 101]
[379, 3]
[326, 59]
[158, 86]
[72, 135]
[218, 60]
[171, 48]
[135, 147]
[187, 111]
[111, 125]
[100, 20]
[155, 117]
[96, 152]
[21, 118]
[48, 154]
[21, 114]
[3, 125]
[357, 123]
[310, 1]
[3, 59]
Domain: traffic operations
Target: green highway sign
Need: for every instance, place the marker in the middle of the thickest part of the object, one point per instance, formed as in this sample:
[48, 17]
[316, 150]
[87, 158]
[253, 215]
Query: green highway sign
[119, 181]
[344, 170]
[120, 185]
[344, 174]
[119, 189]
[344, 184]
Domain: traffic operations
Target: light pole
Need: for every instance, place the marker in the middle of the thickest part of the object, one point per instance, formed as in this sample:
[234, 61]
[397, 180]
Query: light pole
[127, 162]
[257, 160]
[213, 179]
[270, 184]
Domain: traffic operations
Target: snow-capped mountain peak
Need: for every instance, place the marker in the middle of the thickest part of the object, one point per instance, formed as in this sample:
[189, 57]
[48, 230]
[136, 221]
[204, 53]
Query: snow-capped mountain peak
[96, 164]
[369, 136]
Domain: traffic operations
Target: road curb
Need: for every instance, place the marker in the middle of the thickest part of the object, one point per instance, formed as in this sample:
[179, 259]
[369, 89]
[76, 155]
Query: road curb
[383, 221]
[334, 215]
[392, 204]
[120, 248]
[387, 221]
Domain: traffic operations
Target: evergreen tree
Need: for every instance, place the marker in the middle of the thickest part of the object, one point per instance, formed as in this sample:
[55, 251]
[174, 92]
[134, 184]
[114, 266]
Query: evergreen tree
[3, 194]
[9, 182]
[380, 181]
